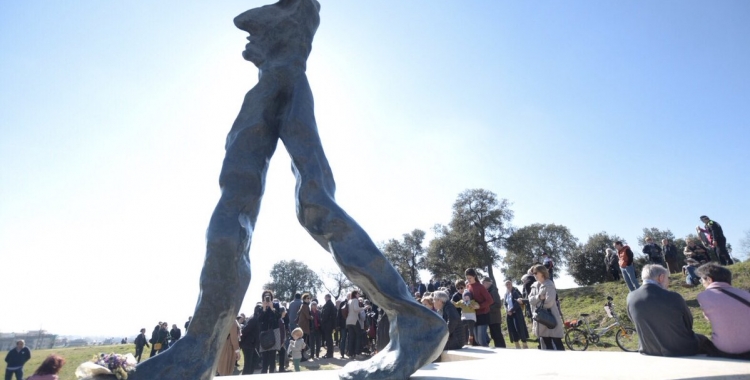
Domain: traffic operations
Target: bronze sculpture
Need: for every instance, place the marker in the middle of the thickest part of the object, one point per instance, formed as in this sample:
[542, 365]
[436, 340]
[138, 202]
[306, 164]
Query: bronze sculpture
[280, 106]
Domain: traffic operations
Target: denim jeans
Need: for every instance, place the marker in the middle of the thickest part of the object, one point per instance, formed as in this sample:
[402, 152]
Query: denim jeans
[18, 372]
[628, 273]
[481, 336]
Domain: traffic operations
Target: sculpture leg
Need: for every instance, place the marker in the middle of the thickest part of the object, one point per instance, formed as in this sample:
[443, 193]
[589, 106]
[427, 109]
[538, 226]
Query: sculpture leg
[417, 334]
[226, 269]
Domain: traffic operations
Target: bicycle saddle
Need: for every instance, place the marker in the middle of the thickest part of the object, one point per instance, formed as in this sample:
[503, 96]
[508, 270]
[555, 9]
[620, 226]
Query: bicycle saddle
[584, 315]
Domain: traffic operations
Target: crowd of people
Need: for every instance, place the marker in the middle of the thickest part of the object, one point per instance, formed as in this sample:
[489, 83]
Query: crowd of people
[304, 329]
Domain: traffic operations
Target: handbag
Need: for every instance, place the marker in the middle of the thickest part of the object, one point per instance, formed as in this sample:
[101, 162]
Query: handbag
[270, 340]
[545, 317]
[157, 346]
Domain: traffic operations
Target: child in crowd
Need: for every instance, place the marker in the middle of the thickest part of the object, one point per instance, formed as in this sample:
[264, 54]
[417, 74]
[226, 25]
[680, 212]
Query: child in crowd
[468, 313]
[296, 347]
[691, 278]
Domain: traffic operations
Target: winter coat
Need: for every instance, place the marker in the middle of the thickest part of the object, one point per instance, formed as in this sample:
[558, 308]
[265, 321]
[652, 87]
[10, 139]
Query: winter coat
[354, 309]
[496, 314]
[231, 346]
[328, 316]
[304, 318]
[546, 288]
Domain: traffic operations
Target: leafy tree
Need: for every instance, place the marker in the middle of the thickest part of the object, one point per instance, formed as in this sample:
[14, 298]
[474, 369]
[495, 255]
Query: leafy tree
[480, 227]
[527, 245]
[442, 252]
[586, 264]
[745, 245]
[407, 256]
[291, 277]
[337, 283]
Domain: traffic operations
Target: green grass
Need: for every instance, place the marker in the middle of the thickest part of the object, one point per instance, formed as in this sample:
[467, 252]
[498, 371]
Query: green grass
[589, 299]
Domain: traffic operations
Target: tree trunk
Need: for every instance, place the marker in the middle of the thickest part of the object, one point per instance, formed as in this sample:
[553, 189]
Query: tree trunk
[491, 274]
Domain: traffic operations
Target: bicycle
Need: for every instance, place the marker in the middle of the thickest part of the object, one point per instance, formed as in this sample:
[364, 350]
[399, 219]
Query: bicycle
[578, 339]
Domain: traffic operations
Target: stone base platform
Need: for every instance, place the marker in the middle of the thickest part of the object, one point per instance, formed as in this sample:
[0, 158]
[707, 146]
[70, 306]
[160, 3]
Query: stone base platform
[474, 363]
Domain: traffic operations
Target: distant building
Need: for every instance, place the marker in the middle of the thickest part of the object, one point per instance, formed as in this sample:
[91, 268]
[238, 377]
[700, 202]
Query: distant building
[35, 340]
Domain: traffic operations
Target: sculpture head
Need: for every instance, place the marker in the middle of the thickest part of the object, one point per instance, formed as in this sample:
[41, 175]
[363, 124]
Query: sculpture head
[280, 32]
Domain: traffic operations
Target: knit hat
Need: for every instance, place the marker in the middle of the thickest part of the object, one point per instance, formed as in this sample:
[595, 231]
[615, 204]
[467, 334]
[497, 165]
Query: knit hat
[468, 293]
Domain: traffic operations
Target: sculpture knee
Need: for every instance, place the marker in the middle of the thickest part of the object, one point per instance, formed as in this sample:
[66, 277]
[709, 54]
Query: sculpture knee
[316, 209]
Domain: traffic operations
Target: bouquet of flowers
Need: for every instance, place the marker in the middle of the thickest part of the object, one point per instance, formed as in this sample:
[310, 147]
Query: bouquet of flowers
[107, 364]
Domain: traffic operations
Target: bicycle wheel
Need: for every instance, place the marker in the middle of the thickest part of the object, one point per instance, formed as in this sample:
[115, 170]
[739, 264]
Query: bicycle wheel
[576, 340]
[627, 339]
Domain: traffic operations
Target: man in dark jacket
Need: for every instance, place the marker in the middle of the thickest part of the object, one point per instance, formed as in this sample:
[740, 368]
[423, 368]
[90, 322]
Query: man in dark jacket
[718, 240]
[328, 324]
[653, 252]
[249, 342]
[15, 360]
[174, 334]
[293, 310]
[496, 314]
[662, 318]
[140, 341]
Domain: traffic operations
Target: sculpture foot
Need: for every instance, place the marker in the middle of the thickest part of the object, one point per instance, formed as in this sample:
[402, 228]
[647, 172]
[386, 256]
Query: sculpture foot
[186, 359]
[417, 339]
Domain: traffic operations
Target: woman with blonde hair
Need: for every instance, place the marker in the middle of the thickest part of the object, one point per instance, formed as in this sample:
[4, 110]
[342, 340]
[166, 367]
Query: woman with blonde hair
[544, 294]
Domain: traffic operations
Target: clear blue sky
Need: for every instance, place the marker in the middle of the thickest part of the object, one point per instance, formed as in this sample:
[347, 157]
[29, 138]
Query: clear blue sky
[601, 116]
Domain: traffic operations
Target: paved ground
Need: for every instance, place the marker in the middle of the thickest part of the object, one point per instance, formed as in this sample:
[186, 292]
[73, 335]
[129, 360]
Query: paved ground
[473, 363]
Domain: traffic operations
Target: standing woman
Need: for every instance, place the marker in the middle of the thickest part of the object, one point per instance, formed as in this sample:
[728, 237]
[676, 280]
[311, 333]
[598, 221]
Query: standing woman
[303, 321]
[352, 320]
[484, 299]
[269, 320]
[543, 293]
[517, 330]
[230, 353]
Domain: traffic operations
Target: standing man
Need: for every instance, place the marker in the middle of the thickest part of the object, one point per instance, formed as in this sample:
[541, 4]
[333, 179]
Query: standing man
[653, 252]
[611, 264]
[174, 334]
[293, 310]
[328, 324]
[496, 314]
[16, 359]
[625, 256]
[140, 341]
[662, 318]
[188, 323]
[718, 240]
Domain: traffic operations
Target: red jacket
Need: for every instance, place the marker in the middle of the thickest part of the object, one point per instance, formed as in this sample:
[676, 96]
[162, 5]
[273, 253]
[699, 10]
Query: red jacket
[482, 296]
[625, 255]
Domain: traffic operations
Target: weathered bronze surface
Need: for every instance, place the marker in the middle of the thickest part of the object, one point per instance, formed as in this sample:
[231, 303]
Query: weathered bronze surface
[280, 106]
